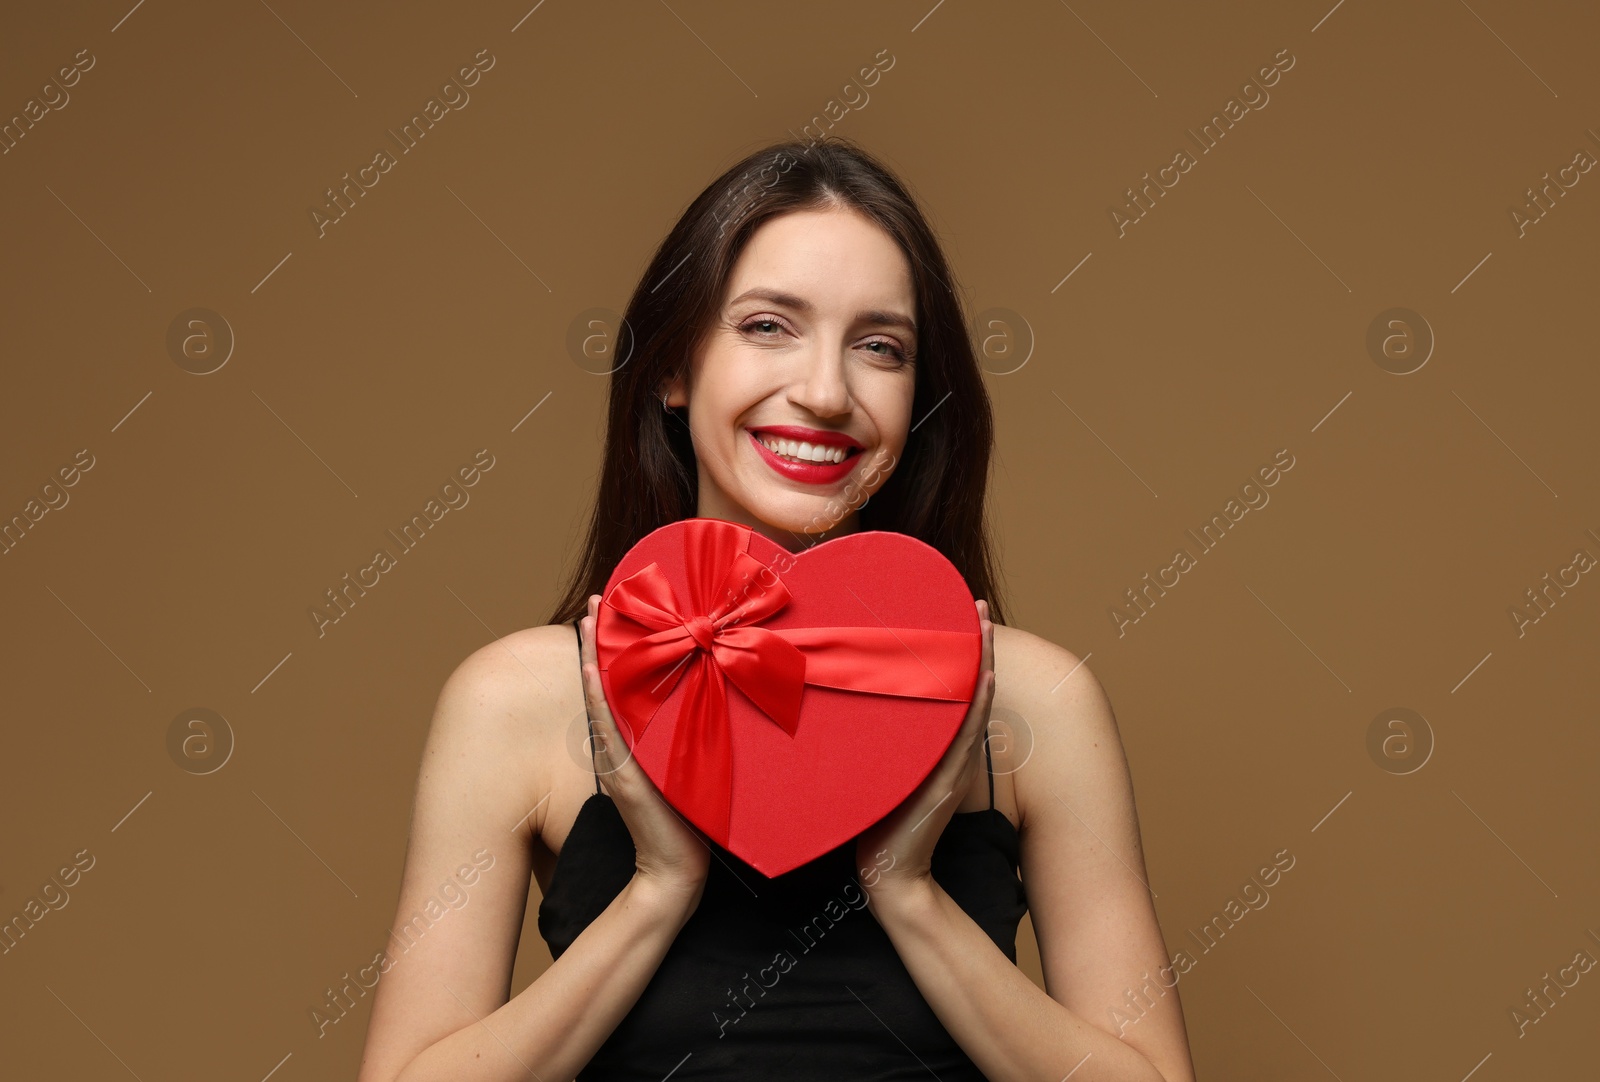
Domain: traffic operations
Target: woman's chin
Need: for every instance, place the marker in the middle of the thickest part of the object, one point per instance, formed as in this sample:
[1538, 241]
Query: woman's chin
[798, 519]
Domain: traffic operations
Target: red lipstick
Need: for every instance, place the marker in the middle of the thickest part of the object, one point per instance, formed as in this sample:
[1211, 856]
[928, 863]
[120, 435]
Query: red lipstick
[813, 473]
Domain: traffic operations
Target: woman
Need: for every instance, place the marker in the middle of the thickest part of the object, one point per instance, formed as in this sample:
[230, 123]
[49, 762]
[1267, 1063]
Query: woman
[801, 309]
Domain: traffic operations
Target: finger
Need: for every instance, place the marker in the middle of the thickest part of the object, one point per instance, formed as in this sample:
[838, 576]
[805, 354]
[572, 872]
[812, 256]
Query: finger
[586, 626]
[985, 696]
[586, 631]
[594, 688]
[961, 758]
[614, 752]
[983, 693]
[599, 734]
[975, 729]
[586, 649]
[983, 688]
[609, 743]
[593, 694]
[989, 636]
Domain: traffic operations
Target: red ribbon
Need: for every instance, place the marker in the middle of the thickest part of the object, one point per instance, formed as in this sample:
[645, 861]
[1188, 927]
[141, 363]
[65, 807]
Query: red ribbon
[657, 642]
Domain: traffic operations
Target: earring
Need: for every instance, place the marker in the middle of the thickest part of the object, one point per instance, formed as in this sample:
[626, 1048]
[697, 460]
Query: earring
[664, 405]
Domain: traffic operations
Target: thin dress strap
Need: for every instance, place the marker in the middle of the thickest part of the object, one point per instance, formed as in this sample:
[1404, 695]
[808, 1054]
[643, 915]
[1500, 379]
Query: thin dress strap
[989, 759]
[590, 720]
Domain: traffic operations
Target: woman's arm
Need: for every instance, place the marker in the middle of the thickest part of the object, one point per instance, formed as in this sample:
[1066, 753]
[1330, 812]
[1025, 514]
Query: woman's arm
[1084, 872]
[441, 1008]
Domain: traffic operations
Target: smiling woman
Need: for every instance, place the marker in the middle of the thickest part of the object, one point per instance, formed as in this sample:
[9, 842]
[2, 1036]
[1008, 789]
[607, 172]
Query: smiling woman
[804, 370]
[828, 260]
[834, 342]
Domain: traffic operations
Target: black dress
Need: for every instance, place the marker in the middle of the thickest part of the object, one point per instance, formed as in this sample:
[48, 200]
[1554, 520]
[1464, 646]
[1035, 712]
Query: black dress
[791, 977]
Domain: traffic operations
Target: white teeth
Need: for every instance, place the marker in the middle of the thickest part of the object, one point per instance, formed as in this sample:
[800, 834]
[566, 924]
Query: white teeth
[805, 452]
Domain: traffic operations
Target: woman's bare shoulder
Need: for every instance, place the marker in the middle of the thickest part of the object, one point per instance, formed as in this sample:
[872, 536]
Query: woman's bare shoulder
[1031, 665]
[513, 697]
[517, 671]
[529, 656]
[1065, 730]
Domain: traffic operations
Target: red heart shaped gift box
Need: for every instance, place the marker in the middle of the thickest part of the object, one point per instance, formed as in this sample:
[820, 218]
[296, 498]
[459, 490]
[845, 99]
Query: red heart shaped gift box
[783, 702]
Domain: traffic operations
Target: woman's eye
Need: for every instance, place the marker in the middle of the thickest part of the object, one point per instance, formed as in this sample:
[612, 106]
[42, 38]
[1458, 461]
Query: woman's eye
[889, 348]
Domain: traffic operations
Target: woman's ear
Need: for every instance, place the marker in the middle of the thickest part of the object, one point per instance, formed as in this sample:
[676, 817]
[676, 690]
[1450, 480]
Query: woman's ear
[673, 389]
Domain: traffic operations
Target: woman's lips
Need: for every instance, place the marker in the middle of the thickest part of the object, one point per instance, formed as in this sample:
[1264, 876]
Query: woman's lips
[811, 473]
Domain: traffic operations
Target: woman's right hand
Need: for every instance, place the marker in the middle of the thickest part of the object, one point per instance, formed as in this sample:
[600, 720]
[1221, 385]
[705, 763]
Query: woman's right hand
[670, 853]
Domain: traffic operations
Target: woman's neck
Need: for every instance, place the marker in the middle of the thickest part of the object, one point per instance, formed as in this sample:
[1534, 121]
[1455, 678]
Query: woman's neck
[792, 540]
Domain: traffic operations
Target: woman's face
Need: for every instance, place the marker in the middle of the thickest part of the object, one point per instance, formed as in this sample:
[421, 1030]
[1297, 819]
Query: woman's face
[810, 353]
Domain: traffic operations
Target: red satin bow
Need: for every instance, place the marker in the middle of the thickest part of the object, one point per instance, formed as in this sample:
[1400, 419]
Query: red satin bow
[658, 642]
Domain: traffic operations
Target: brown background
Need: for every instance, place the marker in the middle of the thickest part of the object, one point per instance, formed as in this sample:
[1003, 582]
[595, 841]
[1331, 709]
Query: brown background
[1231, 322]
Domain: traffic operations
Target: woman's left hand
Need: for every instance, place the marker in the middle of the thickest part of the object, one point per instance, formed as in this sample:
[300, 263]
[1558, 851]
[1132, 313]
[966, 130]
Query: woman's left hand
[897, 851]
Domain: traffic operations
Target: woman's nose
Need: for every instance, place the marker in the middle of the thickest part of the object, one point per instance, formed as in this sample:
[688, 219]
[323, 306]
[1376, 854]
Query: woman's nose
[824, 389]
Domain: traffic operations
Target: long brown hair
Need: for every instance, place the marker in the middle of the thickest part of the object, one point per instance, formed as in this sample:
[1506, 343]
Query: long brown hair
[936, 490]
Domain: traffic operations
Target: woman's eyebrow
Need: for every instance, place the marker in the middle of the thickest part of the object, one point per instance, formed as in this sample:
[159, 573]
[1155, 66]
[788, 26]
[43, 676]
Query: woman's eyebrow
[876, 316]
